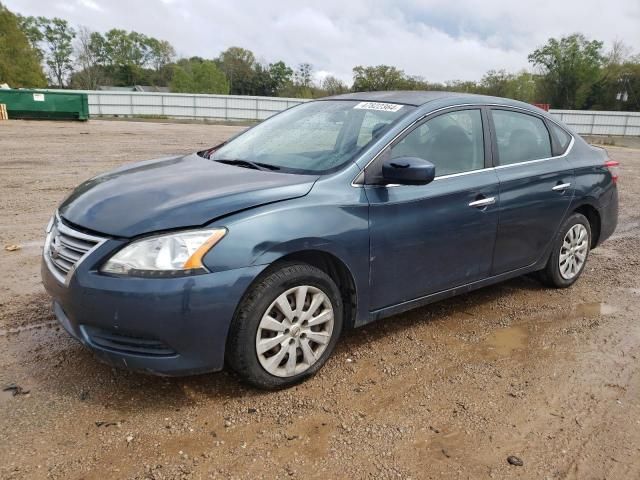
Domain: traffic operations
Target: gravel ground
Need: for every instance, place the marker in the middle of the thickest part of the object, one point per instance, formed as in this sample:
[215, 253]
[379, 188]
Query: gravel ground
[451, 390]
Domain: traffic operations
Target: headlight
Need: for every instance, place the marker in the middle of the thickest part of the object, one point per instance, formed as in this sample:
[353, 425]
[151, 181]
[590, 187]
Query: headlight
[165, 255]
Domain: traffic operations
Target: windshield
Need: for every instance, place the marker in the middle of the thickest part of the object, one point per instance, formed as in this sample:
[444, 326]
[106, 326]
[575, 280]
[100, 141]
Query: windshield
[315, 137]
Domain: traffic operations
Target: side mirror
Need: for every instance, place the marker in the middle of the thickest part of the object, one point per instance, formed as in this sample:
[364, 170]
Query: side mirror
[408, 171]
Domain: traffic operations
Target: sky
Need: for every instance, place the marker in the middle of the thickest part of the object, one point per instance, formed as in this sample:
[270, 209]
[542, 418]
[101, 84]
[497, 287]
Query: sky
[438, 40]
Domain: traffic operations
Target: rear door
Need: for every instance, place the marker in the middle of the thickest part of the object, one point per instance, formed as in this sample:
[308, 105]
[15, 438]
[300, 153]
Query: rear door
[536, 188]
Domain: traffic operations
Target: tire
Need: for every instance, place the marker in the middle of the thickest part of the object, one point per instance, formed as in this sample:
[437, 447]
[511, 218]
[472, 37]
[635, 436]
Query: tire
[553, 275]
[251, 331]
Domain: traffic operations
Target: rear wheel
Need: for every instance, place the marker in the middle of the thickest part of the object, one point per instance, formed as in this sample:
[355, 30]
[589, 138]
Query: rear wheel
[286, 327]
[570, 252]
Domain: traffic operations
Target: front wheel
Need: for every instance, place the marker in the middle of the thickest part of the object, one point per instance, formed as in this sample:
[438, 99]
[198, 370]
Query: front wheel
[286, 327]
[570, 251]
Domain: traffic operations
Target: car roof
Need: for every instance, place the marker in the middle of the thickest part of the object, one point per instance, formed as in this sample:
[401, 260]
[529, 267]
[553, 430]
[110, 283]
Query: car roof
[419, 97]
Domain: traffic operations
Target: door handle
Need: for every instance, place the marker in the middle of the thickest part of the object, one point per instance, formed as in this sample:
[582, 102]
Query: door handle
[561, 187]
[483, 202]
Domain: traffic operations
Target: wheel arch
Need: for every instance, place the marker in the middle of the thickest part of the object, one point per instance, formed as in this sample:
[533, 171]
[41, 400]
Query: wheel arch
[333, 266]
[593, 216]
[330, 264]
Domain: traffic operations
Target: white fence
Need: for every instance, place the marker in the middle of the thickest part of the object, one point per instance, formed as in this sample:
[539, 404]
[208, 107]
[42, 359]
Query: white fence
[237, 107]
[183, 105]
[595, 122]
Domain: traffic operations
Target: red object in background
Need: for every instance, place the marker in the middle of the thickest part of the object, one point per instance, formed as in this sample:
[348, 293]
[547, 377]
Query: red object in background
[543, 106]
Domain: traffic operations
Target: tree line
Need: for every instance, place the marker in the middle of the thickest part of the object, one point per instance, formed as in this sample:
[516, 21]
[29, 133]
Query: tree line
[572, 72]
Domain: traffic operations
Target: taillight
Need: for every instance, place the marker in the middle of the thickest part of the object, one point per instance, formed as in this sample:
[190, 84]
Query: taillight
[614, 168]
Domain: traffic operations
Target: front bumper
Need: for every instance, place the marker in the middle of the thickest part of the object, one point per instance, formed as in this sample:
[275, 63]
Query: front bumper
[168, 326]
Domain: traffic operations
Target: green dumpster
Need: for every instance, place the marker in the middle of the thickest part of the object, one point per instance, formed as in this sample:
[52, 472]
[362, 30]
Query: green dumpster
[43, 104]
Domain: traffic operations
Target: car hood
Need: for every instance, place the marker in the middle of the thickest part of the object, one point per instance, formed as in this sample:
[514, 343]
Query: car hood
[174, 192]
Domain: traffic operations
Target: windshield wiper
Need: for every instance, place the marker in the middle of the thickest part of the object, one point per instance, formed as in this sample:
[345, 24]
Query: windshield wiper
[248, 164]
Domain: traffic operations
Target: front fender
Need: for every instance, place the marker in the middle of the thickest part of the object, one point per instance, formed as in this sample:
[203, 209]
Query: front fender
[334, 221]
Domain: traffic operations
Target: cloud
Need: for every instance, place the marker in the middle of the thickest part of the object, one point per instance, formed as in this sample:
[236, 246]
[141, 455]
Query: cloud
[91, 5]
[437, 39]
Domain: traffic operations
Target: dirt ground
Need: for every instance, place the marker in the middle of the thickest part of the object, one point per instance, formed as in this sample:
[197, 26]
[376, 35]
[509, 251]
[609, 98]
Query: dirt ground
[446, 391]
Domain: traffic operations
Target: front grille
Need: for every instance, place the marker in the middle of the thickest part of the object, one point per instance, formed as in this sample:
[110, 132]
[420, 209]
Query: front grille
[65, 248]
[127, 343]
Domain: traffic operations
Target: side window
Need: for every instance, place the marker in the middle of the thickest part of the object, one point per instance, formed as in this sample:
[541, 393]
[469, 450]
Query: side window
[453, 142]
[520, 137]
[562, 137]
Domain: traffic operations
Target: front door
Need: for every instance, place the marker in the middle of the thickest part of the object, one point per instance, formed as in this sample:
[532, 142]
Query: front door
[425, 239]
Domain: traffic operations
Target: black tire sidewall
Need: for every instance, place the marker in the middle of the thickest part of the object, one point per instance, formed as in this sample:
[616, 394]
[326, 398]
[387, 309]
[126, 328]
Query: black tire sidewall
[552, 271]
[241, 353]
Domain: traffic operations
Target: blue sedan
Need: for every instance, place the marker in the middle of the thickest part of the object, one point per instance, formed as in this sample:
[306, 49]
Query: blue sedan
[259, 252]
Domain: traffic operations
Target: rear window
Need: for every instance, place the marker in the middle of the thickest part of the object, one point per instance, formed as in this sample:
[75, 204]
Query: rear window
[520, 137]
[563, 138]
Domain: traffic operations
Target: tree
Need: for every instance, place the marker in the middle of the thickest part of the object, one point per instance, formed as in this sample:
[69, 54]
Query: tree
[238, 64]
[19, 61]
[198, 76]
[89, 53]
[31, 28]
[465, 86]
[334, 86]
[128, 56]
[496, 83]
[381, 77]
[124, 48]
[208, 78]
[628, 82]
[280, 75]
[303, 75]
[57, 37]
[161, 53]
[618, 87]
[569, 67]
[522, 86]
[52, 39]
[123, 58]
[182, 81]
[414, 82]
[302, 84]
[619, 54]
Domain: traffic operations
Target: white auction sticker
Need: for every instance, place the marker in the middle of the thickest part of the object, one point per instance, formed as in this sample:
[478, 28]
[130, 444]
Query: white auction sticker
[38, 97]
[383, 107]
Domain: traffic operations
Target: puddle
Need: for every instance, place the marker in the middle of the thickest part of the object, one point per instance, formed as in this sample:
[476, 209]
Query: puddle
[595, 309]
[507, 340]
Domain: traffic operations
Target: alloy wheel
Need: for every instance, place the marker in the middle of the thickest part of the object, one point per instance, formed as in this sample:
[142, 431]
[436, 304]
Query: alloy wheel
[294, 331]
[573, 252]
